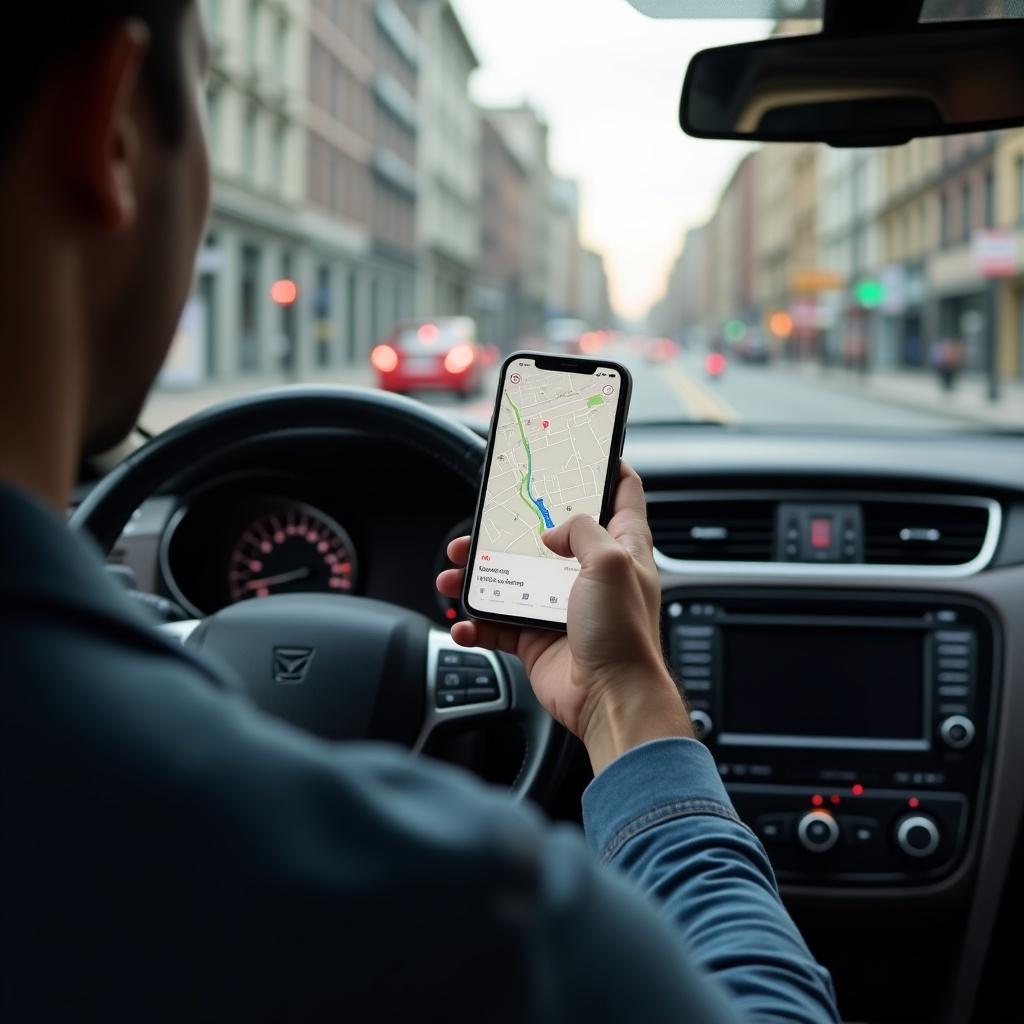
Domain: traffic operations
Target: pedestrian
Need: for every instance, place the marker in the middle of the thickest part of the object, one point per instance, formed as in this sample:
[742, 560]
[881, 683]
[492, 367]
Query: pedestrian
[948, 360]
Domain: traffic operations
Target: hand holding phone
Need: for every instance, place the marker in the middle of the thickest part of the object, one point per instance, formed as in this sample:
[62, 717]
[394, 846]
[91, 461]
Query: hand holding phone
[556, 438]
[606, 681]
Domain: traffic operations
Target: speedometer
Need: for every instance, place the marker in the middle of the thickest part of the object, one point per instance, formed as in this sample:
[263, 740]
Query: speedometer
[291, 548]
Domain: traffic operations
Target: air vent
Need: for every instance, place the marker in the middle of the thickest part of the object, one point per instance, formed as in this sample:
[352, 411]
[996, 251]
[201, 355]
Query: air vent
[923, 533]
[714, 530]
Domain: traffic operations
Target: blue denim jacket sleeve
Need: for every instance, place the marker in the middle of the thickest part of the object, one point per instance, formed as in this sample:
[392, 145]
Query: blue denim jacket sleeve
[661, 816]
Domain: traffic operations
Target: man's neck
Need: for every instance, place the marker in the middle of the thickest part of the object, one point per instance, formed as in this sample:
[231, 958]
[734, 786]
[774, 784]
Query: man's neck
[42, 383]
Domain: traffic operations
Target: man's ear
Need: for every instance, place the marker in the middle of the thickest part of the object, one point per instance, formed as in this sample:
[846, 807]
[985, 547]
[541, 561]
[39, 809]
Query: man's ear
[103, 138]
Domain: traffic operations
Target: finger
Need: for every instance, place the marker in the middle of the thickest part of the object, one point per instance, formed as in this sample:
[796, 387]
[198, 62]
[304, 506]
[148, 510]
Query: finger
[450, 583]
[488, 635]
[584, 539]
[630, 495]
[458, 551]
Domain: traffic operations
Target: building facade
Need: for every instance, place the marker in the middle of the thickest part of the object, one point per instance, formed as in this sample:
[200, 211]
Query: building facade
[565, 254]
[595, 296]
[450, 171]
[500, 294]
[255, 127]
[526, 134]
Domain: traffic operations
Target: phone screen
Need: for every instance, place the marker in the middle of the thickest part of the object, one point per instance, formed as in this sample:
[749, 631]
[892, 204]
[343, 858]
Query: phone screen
[556, 440]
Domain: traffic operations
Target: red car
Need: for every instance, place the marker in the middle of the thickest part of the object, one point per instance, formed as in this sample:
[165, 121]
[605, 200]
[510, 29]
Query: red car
[438, 355]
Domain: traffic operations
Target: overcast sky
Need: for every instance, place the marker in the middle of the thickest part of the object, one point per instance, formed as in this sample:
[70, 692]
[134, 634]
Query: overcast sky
[608, 81]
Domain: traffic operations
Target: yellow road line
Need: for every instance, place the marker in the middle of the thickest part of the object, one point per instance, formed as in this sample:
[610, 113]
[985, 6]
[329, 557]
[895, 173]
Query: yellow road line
[702, 403]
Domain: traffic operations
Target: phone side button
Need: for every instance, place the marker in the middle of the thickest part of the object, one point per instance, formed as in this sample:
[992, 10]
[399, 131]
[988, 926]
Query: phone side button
[622, 444]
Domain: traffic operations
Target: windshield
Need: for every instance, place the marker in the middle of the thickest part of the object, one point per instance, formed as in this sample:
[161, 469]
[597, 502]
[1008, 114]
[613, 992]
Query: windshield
[407, 190]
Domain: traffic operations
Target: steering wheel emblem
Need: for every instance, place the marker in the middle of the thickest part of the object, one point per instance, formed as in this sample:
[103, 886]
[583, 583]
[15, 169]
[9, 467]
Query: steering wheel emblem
[291, 664]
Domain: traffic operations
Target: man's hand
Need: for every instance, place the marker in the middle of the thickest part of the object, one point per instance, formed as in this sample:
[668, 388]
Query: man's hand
[606, 680]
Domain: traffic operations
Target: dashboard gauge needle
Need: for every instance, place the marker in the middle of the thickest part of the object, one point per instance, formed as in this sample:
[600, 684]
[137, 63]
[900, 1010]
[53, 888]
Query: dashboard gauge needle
[277, 581]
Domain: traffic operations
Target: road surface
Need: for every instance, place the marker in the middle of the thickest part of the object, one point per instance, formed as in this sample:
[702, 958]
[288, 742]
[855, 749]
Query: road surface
[677, 391]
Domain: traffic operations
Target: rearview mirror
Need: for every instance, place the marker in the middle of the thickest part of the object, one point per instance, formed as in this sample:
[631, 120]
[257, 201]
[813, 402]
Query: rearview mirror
[860, 90]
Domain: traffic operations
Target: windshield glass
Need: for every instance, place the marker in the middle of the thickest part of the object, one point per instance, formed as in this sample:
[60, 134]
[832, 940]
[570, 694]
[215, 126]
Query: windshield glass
[407, 190]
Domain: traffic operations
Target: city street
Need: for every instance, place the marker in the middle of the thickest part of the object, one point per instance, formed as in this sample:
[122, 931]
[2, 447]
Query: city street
[681, 390]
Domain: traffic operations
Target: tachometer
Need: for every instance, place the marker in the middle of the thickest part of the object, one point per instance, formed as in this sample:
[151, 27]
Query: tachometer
[293, 548]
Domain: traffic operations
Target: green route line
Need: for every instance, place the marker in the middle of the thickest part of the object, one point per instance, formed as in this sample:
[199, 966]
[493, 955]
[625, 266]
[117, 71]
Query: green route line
[525, 485]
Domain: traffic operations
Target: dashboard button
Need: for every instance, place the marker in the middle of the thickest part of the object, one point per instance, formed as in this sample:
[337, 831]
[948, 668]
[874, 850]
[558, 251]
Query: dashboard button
[773, 828]
[703, 725]
[917, 835]
[957, 732]
[818, 832]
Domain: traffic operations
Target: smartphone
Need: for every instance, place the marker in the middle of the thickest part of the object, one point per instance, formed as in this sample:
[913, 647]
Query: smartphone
[557, 435]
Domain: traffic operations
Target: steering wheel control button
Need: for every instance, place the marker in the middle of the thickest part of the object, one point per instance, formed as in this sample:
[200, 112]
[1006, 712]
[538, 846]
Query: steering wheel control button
[703, 725]
[451, 659]
[474, 660]
[451, 681]
[451, 698]
[818, 832]
[957, 732]
[917, 835]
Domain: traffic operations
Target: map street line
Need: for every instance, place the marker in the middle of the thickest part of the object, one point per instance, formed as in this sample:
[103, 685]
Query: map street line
[529, 468]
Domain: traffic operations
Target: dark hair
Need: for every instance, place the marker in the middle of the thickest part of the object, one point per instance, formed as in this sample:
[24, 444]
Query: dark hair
[39, 34]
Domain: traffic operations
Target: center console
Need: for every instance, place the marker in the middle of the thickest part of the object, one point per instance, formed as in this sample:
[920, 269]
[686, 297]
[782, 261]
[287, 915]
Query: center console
[852, 732]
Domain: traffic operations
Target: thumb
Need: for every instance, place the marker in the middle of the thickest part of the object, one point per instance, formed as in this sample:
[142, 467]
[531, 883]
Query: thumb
[582, 538]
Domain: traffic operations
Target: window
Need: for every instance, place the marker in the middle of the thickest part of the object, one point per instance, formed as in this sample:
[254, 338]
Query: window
[252, 32]
[214, 115]
[277, 157]
[966, 212]
[249, 140]
[280, 58]
[990, 199]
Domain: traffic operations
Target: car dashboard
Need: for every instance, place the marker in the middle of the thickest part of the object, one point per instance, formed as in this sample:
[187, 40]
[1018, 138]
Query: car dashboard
[843, 612]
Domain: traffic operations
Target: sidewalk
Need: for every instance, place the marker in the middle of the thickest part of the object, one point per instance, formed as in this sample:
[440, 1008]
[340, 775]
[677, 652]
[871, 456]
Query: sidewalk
[167, 406]
[920, 390]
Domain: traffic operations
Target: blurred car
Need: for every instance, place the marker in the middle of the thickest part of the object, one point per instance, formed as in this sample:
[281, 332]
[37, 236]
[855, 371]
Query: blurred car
[753, 348]
[715, 365]
[436, 355]
[661, 350]
[565, 336]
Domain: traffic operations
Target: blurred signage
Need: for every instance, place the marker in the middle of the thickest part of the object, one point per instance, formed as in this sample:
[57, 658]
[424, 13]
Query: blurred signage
[186, 361]
[996, 252]
[895, 285]
[869, 293]
[817, 281]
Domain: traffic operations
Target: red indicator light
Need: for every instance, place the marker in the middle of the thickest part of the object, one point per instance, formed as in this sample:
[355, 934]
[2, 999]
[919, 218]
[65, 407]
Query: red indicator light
[817, 799]
[834, 798]
[913, 803]
[821, 533]
[451, 614]
[429, 333]
[284, 292]
[858, 789]
[714, 364]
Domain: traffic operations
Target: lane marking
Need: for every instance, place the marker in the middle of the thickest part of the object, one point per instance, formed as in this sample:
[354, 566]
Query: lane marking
[702, 403]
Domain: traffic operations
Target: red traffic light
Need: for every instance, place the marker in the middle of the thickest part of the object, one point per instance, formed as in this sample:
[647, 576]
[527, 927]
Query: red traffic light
[284, 292]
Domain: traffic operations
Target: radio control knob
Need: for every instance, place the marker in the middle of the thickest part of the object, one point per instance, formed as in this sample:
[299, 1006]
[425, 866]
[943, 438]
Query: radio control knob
[917, 835]
[702, 724]
[818, 832]
[957, 732]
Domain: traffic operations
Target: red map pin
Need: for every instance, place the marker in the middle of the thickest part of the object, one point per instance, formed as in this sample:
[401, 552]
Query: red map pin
[545, 424]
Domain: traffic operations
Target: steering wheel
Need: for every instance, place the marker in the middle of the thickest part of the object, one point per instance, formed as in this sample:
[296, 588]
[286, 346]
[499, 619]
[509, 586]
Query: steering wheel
[340, 666]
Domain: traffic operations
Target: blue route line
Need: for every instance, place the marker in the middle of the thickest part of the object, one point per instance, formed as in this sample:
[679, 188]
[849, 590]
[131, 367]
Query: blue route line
[548, 521]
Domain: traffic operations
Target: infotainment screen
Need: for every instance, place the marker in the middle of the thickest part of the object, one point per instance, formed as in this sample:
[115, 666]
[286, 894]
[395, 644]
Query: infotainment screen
[824, 682]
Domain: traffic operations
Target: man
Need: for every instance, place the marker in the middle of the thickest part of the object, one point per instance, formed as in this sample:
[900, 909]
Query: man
[170, 853]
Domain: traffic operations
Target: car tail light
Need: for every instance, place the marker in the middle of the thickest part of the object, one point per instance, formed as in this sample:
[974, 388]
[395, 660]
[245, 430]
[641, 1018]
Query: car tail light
[590, 343]
[384, 359]
[715, 364]
[460, 359]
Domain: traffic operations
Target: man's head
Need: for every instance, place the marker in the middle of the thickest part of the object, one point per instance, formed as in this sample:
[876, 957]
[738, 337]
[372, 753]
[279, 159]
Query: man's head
[104, 189]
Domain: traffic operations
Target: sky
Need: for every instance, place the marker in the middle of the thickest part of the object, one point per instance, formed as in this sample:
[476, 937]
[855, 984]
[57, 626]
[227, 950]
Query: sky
[608, 81]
